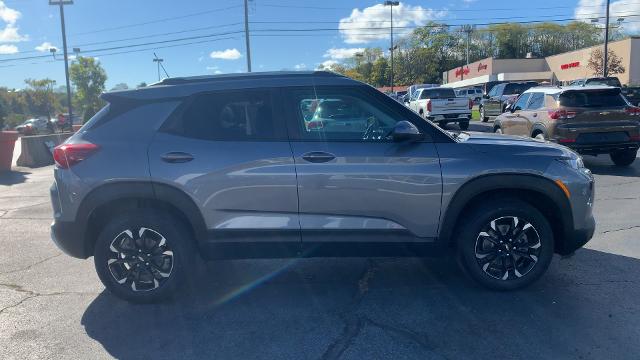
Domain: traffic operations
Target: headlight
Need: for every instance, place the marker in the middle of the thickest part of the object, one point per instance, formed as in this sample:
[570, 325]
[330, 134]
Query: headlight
[574, 163]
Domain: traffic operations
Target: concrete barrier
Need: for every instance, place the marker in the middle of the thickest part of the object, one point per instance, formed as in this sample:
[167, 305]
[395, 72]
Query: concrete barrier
[36, 151]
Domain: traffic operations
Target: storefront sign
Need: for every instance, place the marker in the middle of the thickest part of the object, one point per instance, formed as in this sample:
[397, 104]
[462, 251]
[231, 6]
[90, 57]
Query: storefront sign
[574, 64]
[460, 71]
[481, 67]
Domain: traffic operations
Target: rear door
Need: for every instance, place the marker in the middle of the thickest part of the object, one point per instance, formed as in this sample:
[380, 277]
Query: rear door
[536, 112]
[354, 183]
[513, 122]
[493, 104]
[229, 151]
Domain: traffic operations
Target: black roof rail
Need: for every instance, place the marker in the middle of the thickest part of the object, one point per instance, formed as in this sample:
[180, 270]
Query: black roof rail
[242, 76]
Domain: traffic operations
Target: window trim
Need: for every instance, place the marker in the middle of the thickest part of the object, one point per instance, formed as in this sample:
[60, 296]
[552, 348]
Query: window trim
[542, 104]
[526, 102]
[280, 131]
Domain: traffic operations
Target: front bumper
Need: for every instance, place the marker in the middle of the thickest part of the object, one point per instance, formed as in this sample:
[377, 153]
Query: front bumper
[577, 238]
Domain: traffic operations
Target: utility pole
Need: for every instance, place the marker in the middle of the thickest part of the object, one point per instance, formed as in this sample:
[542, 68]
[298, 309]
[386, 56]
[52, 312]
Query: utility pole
[246, 34]
[605, 69]
[61, 4]
[158, 61]
[391, 4]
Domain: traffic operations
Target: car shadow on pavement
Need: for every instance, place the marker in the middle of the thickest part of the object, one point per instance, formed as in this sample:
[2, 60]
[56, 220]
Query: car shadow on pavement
[602, 165]
[584, 307]
[13, 177]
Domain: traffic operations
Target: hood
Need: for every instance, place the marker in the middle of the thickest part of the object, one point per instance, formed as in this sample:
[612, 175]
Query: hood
[517, 145]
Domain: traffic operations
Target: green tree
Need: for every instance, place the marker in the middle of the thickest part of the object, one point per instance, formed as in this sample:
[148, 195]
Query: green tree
[141, 85]
[88, 78]
[39, 97]
[120, 86]
[596, 63]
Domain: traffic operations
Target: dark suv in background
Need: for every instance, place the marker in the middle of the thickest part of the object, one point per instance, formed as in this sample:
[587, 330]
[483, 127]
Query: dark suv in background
[254, 165]
[496, 100]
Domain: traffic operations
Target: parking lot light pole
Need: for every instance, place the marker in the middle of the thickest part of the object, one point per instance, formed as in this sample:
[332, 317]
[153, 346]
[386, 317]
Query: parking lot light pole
[391, 4]
[61, 4]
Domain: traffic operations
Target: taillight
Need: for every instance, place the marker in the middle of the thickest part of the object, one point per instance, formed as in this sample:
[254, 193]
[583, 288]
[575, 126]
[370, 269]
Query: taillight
[67, 155]
[561, 114]
[429, 105]
[470, 104]
[564, 141]
[315, 124]
[633, 111]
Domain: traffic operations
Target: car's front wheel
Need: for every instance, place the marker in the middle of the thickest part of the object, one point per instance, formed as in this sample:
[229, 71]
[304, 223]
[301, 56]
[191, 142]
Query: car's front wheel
[624, 157]
[463, 125]
[144, 256]
[483, 115]
[505, 244]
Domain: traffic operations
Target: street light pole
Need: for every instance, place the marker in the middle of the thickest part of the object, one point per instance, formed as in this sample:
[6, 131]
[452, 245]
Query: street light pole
[246, 34]
[391, 4]
[605, 69]
[158, 61]
[61, 4]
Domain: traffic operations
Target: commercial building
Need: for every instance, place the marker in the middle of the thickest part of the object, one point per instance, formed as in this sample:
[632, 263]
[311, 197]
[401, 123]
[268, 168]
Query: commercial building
[558, 68]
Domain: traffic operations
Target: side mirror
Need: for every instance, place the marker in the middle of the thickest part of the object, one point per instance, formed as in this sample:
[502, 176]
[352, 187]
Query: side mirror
[406, 131]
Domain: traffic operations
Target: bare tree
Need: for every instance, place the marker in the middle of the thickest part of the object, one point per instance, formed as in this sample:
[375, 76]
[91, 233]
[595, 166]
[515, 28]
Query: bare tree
[596, 63]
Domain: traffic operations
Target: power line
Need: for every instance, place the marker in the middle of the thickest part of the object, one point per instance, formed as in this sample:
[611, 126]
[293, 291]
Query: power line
[157, 20]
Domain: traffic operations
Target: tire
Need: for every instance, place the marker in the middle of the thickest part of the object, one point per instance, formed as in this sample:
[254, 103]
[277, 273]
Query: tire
[497, 130]
[483, 116]
[442, 124]
[464, 125]
[174, 262]
[475, 244]
[624, 157]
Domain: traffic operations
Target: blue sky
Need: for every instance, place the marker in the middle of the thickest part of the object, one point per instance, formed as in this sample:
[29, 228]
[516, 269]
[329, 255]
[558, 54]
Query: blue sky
[30, 27]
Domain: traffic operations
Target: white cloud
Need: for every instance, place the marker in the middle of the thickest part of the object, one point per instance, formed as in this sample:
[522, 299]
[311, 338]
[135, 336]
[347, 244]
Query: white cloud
[300, 66]
[342, 53]
[376, 21]
[228, 54]
[627, 9]
[469, 1]
[11, 34]
[214, 69]
[45, 46]
[8, 49]
[8, 15]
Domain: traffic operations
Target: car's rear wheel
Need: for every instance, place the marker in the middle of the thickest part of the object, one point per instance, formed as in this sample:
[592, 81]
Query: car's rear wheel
[483, 115]
[505, 244]
[539, 136]
[442, 124]
[463, 125]
[144, 256]
[624, 157]
[497, 130]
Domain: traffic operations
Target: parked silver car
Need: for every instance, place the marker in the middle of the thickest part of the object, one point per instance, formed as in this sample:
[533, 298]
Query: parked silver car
[227, 166]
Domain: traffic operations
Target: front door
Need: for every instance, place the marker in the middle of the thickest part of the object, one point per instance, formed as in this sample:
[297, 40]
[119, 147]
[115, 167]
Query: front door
[229, 151]
[354, 183]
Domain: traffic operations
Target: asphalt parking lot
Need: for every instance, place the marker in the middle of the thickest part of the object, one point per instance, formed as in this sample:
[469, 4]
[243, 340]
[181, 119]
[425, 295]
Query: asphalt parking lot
[585, 307]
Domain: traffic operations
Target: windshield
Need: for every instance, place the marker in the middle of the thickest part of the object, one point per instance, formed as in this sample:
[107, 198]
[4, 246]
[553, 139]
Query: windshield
[604, 81]
[592, 98]
[516, 88]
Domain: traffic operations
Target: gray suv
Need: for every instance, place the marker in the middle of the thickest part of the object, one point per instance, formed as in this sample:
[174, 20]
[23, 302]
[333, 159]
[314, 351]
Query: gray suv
[305, 164]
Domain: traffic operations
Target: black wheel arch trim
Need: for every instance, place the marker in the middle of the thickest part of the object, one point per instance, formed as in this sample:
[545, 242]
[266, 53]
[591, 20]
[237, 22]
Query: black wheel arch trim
[540, 127]
[139, 190]
[491, 182]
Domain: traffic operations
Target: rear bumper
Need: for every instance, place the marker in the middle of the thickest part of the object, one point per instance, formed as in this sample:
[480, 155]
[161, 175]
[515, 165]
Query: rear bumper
[69, 238]
[594, 149]
[455, 117]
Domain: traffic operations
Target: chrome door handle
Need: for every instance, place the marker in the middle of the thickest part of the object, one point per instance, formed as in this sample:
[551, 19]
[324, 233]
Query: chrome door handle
[318, 157]
[176, 157]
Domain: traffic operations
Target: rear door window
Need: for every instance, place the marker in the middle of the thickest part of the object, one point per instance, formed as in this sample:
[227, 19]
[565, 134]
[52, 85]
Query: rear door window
[592, 98]
[522, 102]
[246, 115]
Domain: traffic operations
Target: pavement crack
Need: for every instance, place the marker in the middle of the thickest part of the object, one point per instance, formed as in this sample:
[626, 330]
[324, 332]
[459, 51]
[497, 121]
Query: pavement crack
[353, 323]
[621, 229]
[30, 266]
[34, 294]
[408, 334]
[26, 206]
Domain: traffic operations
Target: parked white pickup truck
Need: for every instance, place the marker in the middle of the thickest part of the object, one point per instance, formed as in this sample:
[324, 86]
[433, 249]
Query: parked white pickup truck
[442, 106]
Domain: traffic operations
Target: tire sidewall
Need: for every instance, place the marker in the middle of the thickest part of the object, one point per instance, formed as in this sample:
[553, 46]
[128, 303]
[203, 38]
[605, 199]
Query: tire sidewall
[178, 240]
[482, 216]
